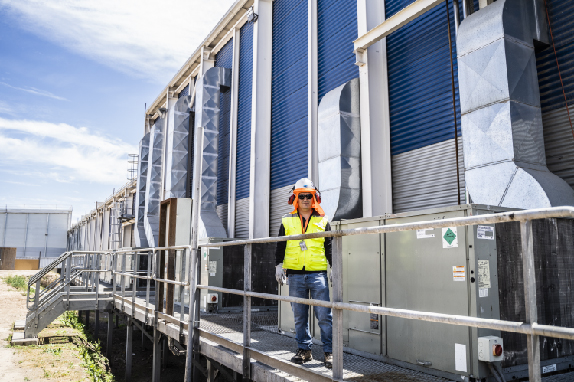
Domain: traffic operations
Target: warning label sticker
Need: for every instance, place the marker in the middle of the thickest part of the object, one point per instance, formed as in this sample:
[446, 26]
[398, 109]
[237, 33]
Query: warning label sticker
[458, 273]
[212, 267]
[482, 292]
[485, 232]
[449, 237]
[483, 274]
[422, 233]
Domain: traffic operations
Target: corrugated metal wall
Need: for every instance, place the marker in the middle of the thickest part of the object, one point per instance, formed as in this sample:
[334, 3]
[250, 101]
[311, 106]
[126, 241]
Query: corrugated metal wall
[558, 139]
[336, 31]
[420, 100]
[223, 59]
[243, 156]
[288, 98]
[184, 92]
[27, 232]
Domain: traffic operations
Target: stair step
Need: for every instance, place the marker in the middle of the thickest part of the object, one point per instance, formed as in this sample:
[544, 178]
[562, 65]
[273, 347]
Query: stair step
[18, 339]
[19, 325]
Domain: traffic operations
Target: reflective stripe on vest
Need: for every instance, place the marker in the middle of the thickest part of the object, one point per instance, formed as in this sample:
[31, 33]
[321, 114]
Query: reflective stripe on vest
[313, 259]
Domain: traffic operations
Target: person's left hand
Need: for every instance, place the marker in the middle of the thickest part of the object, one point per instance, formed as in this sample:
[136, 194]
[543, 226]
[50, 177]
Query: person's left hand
[331, 275]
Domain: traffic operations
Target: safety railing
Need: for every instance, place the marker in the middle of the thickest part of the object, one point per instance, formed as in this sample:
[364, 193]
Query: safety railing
[184, 264]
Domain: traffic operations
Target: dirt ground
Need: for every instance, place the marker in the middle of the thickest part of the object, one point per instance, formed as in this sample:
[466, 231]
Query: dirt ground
[57, 357]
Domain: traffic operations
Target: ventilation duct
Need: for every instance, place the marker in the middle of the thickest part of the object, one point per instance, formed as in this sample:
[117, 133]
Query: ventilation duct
[139, 230]
[207, 109]
[339, 152]
[177, 147]
[153, 185]
[504, 152]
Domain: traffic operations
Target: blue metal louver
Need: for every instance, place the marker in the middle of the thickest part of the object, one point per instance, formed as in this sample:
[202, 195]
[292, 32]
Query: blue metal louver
[184, 92]
[420, 92]
[336, 30]
[224, 59]
[244, 112]
[289, 93]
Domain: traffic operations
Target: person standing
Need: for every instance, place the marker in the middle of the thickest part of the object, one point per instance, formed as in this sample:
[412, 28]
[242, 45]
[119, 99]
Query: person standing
[305, 262]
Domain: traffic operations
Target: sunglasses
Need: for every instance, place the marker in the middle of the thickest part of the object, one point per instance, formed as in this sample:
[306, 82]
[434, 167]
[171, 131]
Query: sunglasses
[305, 196]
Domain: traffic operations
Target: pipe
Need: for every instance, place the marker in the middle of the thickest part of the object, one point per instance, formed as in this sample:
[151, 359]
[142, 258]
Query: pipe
[453, 94]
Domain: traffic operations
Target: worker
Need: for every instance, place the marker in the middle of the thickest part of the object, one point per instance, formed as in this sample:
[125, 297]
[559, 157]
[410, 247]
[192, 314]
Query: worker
[305, 263]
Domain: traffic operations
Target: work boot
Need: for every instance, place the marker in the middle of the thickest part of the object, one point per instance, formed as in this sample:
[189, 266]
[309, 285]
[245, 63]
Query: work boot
[328, 360]
[302, 356]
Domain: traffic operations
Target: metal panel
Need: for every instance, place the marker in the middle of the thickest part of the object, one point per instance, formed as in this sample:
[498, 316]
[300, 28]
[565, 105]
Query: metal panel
[141, 240]
[361, 285]
[242, 218]
[3, 216]
[420, 276]
[558, 139]
[336, 31]
[289, 93]
[224, 59]
[426, 177]
[244, 116]
[36, 235]
[278, 208]
[16, 233]
[57, 227]
[153, 183]
[177, 149]
[420, 96]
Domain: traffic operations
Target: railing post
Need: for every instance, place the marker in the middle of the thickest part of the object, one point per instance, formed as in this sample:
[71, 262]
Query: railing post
[529, 276]
[97, 275]
[123, 281]
[114, 266]
[247, 312]
[148, 285]
[337, 276]
[191, 319]
[69, 281]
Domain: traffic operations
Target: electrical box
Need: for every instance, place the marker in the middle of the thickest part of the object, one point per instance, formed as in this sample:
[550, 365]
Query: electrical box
[490, 349]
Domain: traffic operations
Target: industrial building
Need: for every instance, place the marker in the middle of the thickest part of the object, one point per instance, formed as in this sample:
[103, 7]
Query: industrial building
[38, 234]
[400, 111]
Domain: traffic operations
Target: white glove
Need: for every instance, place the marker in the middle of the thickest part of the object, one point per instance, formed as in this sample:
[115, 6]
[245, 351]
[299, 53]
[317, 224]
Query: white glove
[280, 274]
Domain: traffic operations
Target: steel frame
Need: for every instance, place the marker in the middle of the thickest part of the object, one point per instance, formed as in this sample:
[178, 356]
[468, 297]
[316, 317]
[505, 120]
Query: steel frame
[85, 266]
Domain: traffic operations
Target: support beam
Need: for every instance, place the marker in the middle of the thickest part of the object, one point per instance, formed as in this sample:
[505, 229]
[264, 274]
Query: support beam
[129, 339]
[164, 352]
[260, 173]
[97, 328]
[87, 313]
[109, 342]
[210, 371]
[374, 115]
[401, 18]
[156, 360]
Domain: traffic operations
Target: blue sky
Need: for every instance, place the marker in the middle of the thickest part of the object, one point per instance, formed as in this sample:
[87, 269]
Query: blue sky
[74, 78]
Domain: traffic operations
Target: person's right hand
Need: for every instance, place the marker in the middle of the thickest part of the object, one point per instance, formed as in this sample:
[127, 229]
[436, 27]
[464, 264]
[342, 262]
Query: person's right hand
[280, 274]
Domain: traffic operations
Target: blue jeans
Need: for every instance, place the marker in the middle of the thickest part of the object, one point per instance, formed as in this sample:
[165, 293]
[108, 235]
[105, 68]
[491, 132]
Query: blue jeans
[300, 285]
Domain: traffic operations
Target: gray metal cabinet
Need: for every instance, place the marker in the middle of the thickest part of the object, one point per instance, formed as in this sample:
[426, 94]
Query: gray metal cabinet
[428, 271]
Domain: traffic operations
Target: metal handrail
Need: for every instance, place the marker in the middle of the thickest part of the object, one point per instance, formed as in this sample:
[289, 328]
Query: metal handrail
[529, 327]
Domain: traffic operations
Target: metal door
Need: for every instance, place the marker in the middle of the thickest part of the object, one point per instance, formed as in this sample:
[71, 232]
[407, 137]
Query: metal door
[428, 271]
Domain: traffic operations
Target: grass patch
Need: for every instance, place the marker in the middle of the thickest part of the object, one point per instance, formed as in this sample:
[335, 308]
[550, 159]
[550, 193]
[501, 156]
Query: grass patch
[96, 364]
[18, 282]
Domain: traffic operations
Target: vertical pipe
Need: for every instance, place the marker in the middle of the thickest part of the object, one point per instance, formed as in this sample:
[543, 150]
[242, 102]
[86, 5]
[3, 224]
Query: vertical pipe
[114, 266]
[164, 353]
[197, 318]
[529, 276]
[123, 281]
[156, 366]
[453, 99]
[68, 281]
[337, 272]
[134, 258]
[193, 264]
[312, 92]
[247, 312]
[109, 342]
[97, 326]
[129, 338]
[148, 284]
[182, 289]
[231, 202]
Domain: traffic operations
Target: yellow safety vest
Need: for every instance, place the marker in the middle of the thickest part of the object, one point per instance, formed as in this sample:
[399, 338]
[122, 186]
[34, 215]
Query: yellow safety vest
[313, 259]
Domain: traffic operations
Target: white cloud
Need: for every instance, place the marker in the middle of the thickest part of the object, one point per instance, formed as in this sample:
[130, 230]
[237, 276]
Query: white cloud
[43, 93]
[143, 37]
[63, 153]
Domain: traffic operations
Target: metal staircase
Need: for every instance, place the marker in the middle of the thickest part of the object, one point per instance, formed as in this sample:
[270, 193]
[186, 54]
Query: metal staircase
[77, 288]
